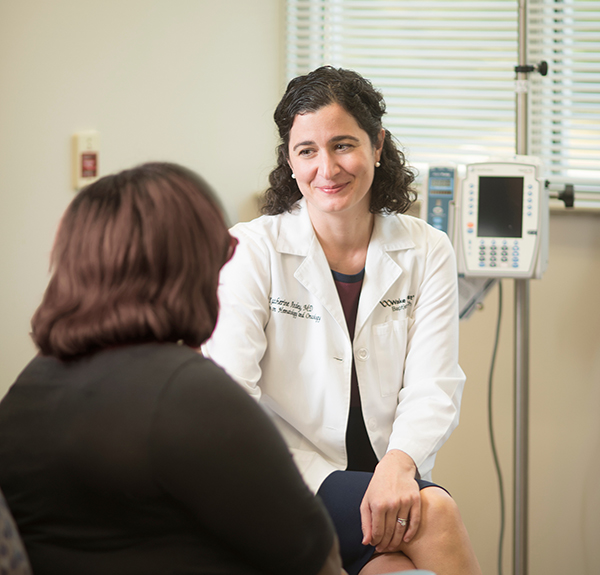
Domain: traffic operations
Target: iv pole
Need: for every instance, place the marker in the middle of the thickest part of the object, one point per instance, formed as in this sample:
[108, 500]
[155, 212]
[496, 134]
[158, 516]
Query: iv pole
[521, 366]
[521, 392]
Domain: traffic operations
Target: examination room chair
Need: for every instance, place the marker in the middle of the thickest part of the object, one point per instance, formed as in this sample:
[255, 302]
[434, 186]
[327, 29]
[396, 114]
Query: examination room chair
[13, 558]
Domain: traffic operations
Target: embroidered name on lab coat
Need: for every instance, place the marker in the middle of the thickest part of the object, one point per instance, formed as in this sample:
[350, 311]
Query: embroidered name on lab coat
[398, 304]
[293, 309]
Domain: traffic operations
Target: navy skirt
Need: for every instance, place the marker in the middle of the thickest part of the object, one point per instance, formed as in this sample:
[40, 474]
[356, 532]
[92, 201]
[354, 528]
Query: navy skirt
[342, 493]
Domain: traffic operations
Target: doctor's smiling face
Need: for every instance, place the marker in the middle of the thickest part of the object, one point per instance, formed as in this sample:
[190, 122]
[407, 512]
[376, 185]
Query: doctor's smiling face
[333, 161]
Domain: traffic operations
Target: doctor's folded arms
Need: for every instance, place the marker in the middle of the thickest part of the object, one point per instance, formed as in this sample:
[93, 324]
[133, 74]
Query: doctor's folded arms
[123, 451]
[339, 315]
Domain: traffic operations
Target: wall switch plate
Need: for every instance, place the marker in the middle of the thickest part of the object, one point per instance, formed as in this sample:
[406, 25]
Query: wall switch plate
[86, 151]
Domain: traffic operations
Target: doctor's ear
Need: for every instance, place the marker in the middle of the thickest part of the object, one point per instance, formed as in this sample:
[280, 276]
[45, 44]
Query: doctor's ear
[380, 142]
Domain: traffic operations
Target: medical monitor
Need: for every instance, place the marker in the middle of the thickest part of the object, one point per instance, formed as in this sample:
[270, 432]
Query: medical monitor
[503, 221]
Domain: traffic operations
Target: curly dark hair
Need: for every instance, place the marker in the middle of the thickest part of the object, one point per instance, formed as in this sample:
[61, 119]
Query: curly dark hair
[391, 190]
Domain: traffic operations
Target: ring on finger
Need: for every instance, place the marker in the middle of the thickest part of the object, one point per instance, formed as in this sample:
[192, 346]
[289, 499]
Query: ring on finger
[402, 521]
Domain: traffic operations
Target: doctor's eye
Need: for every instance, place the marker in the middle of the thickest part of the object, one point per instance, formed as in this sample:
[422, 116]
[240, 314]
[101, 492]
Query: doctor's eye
[306, 152]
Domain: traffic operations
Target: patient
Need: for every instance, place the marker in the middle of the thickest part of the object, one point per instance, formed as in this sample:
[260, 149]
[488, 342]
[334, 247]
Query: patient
[124, 451]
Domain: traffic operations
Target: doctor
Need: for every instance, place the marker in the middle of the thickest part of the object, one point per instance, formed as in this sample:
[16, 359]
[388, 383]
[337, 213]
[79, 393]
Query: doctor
[339, 315]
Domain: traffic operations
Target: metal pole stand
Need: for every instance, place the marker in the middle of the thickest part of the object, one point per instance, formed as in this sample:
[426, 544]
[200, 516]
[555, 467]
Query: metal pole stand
[521, 427]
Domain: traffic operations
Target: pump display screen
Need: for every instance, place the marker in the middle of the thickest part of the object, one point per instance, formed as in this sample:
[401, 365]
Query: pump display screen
[500, 212]
[440, 182]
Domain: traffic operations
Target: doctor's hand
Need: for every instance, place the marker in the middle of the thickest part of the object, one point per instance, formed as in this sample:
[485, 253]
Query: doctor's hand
[393, 493]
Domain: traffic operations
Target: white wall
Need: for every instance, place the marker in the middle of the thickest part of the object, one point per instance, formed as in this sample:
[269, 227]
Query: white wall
[196, 81]
[190, 81]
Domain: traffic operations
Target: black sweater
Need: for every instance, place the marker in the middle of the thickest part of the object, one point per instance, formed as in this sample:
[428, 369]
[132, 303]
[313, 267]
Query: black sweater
[149, 459]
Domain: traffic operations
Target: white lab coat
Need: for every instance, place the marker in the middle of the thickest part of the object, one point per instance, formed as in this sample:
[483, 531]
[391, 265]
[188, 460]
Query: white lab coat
[282, 335]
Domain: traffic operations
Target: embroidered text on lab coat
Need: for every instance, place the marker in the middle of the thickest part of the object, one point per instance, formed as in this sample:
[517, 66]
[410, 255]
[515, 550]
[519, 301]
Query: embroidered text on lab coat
[293, 309]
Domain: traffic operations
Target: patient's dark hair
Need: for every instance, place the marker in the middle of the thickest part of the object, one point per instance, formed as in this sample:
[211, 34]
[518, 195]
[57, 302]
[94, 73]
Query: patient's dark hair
[391, 189]
[136, 259]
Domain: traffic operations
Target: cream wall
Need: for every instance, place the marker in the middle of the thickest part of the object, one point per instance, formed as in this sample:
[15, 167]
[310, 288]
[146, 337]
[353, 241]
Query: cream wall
[191, 81]
[564, 494]
[196, 81]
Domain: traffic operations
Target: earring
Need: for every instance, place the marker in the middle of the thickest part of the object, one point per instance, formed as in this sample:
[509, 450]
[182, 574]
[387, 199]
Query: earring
[377, 164]
[293, 176]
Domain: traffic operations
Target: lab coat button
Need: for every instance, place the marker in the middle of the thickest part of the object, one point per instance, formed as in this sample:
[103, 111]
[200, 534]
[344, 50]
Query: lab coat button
[363, 354]
[372, 423]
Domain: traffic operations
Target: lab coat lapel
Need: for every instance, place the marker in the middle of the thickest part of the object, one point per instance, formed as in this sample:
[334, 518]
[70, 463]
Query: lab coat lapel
[381, 269]
[297, 237]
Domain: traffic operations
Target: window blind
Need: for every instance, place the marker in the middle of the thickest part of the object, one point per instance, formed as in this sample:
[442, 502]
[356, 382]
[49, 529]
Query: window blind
[446, 70]
[564, 126]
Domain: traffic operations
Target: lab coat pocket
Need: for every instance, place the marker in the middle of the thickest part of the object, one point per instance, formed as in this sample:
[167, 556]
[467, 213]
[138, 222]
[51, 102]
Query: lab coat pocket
[390, 350]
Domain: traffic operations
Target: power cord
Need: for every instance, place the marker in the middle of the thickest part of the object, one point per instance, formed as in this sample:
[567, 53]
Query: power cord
[491, 430]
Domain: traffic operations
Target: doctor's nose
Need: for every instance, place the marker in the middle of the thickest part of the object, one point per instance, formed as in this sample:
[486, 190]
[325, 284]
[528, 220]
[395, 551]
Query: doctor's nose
[328, 166]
